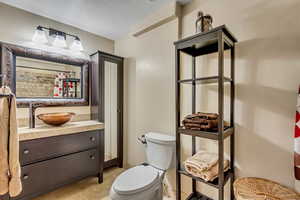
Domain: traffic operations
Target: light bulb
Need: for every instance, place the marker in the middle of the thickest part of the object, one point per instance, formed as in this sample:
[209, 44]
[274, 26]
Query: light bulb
[40, 36]
[77, 46]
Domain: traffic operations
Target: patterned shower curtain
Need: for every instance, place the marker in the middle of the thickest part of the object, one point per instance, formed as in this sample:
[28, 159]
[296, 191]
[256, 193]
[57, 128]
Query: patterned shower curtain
[297, 140]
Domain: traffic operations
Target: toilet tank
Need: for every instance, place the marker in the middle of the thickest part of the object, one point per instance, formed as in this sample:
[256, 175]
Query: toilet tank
[160, 150]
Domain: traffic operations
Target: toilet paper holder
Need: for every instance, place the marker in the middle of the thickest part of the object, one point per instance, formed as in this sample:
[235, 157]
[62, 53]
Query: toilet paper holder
[142, 139]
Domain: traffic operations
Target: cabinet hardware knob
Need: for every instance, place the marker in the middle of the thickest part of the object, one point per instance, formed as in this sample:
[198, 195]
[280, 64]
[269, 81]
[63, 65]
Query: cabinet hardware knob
[26, 151]
[92, 139]
[92, 157]
[25, 177]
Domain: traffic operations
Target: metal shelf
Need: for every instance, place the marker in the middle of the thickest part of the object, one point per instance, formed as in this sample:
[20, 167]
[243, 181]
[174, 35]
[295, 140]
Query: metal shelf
[217, 41]
[214, 183]
[206, 134]
[204, 80]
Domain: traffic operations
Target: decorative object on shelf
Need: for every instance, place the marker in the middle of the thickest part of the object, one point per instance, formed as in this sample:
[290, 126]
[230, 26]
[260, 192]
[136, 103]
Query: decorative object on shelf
[217, 41]
[56, 119]
[203, 22]
[58, 36]
[262, 189]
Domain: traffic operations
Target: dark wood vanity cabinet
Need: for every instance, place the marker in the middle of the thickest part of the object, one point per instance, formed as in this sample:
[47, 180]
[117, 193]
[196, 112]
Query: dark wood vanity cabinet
[49, 163]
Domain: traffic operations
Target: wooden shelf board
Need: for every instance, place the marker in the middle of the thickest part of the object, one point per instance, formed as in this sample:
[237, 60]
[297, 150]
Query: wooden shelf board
[206, 134]
[214, 183]
[204, 80]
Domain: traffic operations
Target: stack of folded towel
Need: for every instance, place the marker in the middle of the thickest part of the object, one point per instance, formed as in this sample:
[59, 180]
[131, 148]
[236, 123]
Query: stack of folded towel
[201, 121]
[204, 165]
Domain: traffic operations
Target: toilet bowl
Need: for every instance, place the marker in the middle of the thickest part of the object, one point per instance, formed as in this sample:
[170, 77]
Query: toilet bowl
[145, 182]
[138, 183]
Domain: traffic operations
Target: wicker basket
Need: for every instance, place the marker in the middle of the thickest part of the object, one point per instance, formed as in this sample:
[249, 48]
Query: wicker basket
[262, 189]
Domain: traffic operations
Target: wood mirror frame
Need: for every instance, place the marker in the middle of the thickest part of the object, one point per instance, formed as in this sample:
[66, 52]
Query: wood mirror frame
[8, 54]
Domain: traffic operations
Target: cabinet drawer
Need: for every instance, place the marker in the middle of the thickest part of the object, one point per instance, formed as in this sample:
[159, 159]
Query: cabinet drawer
[46, 148]
[48, 175]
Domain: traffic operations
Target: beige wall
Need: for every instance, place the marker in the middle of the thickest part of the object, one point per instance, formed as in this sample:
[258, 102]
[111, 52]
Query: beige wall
[149, 86]
[267, 73]
[18, 26]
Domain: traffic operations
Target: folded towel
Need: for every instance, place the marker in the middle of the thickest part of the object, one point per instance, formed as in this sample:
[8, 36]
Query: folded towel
[201, 161]
[204, 165]
[10, 170]
[201, 115]
[210, 122]
[213, 173]
[201, 121]
[209, 125]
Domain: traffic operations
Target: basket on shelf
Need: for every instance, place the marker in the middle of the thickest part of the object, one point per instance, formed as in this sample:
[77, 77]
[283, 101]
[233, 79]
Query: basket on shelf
[262, 189]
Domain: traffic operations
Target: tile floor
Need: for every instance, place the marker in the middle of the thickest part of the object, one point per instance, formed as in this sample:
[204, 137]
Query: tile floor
[87, 189]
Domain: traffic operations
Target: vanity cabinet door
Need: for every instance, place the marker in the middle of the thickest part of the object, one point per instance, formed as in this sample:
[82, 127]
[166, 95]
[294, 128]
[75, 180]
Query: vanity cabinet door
[51, 147]
[48, 175]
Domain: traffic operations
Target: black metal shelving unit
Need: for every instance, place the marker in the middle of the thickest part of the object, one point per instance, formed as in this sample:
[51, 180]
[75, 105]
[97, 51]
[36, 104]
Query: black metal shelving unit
[216, 40]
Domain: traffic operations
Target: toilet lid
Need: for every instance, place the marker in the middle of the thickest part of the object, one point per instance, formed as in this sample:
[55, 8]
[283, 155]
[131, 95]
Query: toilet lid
[136, 179]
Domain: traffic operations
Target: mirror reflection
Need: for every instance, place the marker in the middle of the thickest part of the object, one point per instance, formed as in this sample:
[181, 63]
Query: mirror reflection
[43, 79]
[111, 112]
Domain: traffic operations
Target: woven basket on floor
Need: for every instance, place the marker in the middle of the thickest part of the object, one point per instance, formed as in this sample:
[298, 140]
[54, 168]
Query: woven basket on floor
[262, 189]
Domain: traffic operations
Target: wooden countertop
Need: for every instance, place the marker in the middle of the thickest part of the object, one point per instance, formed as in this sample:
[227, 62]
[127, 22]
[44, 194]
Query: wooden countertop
[49, 131]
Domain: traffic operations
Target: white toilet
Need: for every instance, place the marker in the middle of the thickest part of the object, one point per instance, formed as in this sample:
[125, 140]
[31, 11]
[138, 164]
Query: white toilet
[145, 182]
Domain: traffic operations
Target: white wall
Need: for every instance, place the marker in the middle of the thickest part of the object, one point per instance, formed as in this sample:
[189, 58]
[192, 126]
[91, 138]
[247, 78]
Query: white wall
[267, 73]
[18, 26]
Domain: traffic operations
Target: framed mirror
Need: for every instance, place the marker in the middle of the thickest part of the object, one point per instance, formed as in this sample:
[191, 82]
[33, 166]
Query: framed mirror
[43, 77]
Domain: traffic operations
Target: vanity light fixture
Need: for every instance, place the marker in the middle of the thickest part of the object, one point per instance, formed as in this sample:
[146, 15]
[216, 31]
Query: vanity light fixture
[77, 46]
[40, 36]
[59, 38]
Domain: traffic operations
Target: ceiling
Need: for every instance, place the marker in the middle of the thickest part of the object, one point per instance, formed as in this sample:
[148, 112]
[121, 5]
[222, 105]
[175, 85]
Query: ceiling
[109, 18]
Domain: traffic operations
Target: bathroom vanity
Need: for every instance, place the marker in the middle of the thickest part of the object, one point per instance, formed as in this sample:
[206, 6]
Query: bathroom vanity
[55, 156]
[52, 157]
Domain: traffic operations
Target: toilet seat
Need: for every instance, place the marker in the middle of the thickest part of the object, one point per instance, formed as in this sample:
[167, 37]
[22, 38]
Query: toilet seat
[136, 179]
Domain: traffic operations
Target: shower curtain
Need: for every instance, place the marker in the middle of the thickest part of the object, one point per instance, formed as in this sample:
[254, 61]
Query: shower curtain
[297, 142]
